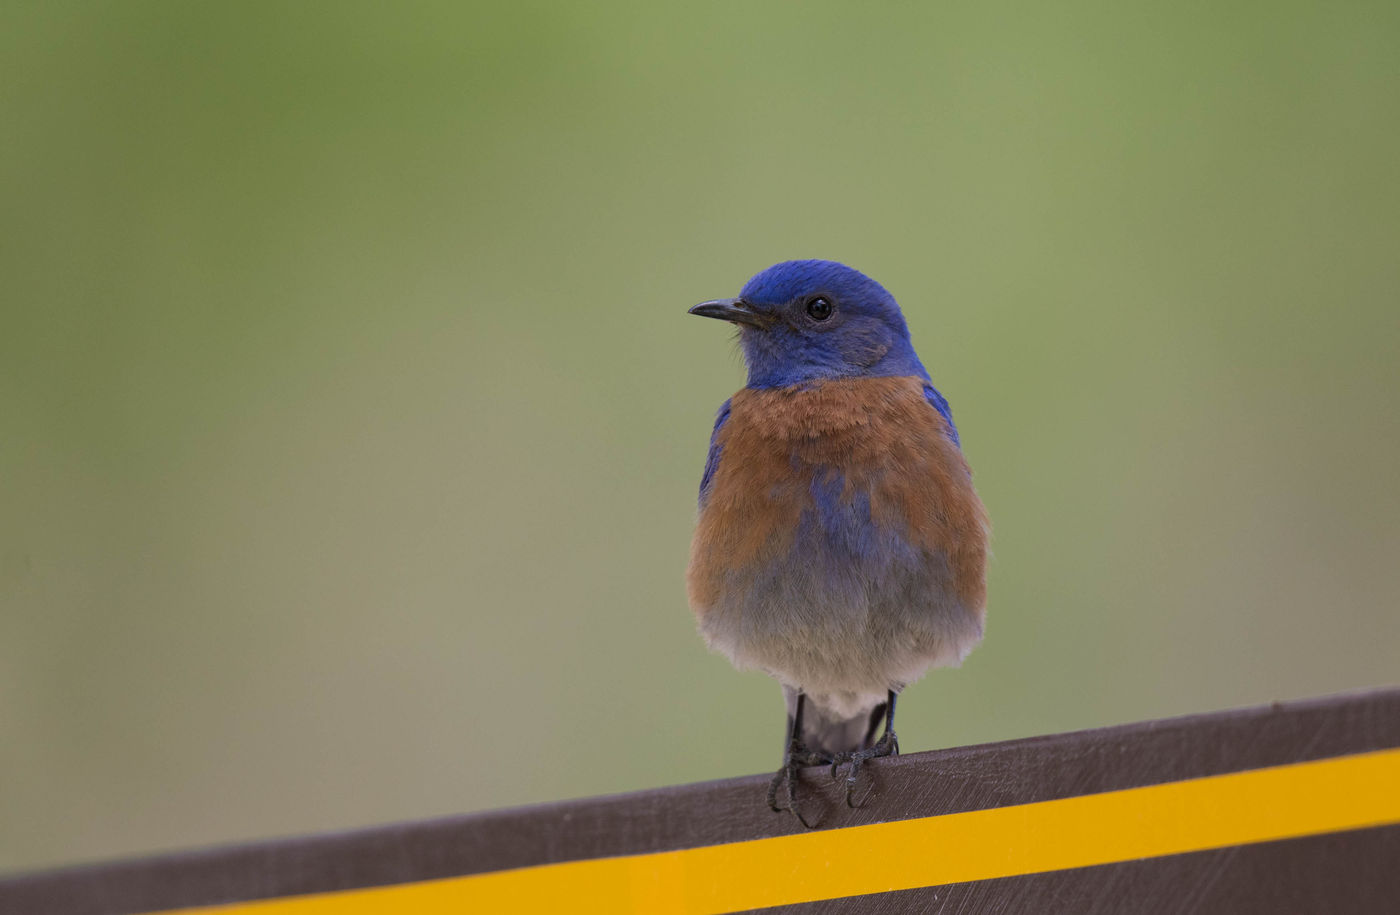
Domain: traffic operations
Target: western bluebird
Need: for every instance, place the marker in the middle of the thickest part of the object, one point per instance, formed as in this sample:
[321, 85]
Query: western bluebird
[840, 545]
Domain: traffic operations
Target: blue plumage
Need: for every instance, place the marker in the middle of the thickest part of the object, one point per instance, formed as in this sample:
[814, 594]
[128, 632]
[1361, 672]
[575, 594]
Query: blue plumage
[939, 403]
[712, 459]
[865, 336]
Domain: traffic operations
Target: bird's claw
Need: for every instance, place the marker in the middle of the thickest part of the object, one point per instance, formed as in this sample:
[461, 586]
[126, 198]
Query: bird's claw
[888, 745]
[786, 780]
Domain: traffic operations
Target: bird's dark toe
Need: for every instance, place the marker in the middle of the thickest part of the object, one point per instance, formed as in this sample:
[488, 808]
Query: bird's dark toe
[887, 745]
[783, 791]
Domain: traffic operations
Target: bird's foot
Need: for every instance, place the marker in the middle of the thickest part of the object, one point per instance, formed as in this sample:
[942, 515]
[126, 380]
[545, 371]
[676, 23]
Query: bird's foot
[782, 790]
[887, 745]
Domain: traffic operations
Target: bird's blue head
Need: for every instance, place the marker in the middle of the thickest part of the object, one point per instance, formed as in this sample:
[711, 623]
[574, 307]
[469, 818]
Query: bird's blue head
[802, 321]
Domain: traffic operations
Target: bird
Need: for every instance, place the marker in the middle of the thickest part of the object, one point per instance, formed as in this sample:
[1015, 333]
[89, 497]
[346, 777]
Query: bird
[840, 545]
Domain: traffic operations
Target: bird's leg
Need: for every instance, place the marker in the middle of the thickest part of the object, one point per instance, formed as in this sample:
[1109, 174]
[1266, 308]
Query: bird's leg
[795, 755]
[877, 715]
[887, 745]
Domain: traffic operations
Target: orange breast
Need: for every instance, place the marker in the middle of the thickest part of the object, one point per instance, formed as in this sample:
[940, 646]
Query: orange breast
[878, 438]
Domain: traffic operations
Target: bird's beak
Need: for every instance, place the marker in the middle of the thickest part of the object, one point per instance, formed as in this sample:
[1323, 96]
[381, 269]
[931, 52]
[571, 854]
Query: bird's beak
[736, 311]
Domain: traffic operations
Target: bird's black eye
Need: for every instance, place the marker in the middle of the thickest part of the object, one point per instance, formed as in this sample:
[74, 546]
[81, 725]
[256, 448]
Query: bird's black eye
[819, 309]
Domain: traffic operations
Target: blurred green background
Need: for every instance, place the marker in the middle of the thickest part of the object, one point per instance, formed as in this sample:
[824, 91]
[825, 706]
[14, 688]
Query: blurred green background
[352, 418]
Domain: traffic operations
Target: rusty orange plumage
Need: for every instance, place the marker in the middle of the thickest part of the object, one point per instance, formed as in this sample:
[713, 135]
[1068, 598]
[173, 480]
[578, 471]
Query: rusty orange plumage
[885, 439]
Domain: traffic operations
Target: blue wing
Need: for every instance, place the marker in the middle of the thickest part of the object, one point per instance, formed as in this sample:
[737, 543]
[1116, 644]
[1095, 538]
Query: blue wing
[712, 459]
[939, 403]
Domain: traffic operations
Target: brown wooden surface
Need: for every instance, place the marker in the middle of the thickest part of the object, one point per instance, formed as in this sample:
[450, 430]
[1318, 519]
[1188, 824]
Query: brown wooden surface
[1348, 872]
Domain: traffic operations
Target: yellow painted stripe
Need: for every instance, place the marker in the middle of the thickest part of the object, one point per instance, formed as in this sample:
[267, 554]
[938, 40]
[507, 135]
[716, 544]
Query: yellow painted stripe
[1260, 805]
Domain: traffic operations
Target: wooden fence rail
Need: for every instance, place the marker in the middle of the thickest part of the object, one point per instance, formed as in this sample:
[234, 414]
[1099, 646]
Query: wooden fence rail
[1293, 807]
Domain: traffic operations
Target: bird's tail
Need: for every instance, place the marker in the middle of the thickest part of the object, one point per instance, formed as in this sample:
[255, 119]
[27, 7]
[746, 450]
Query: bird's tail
[826, 731]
